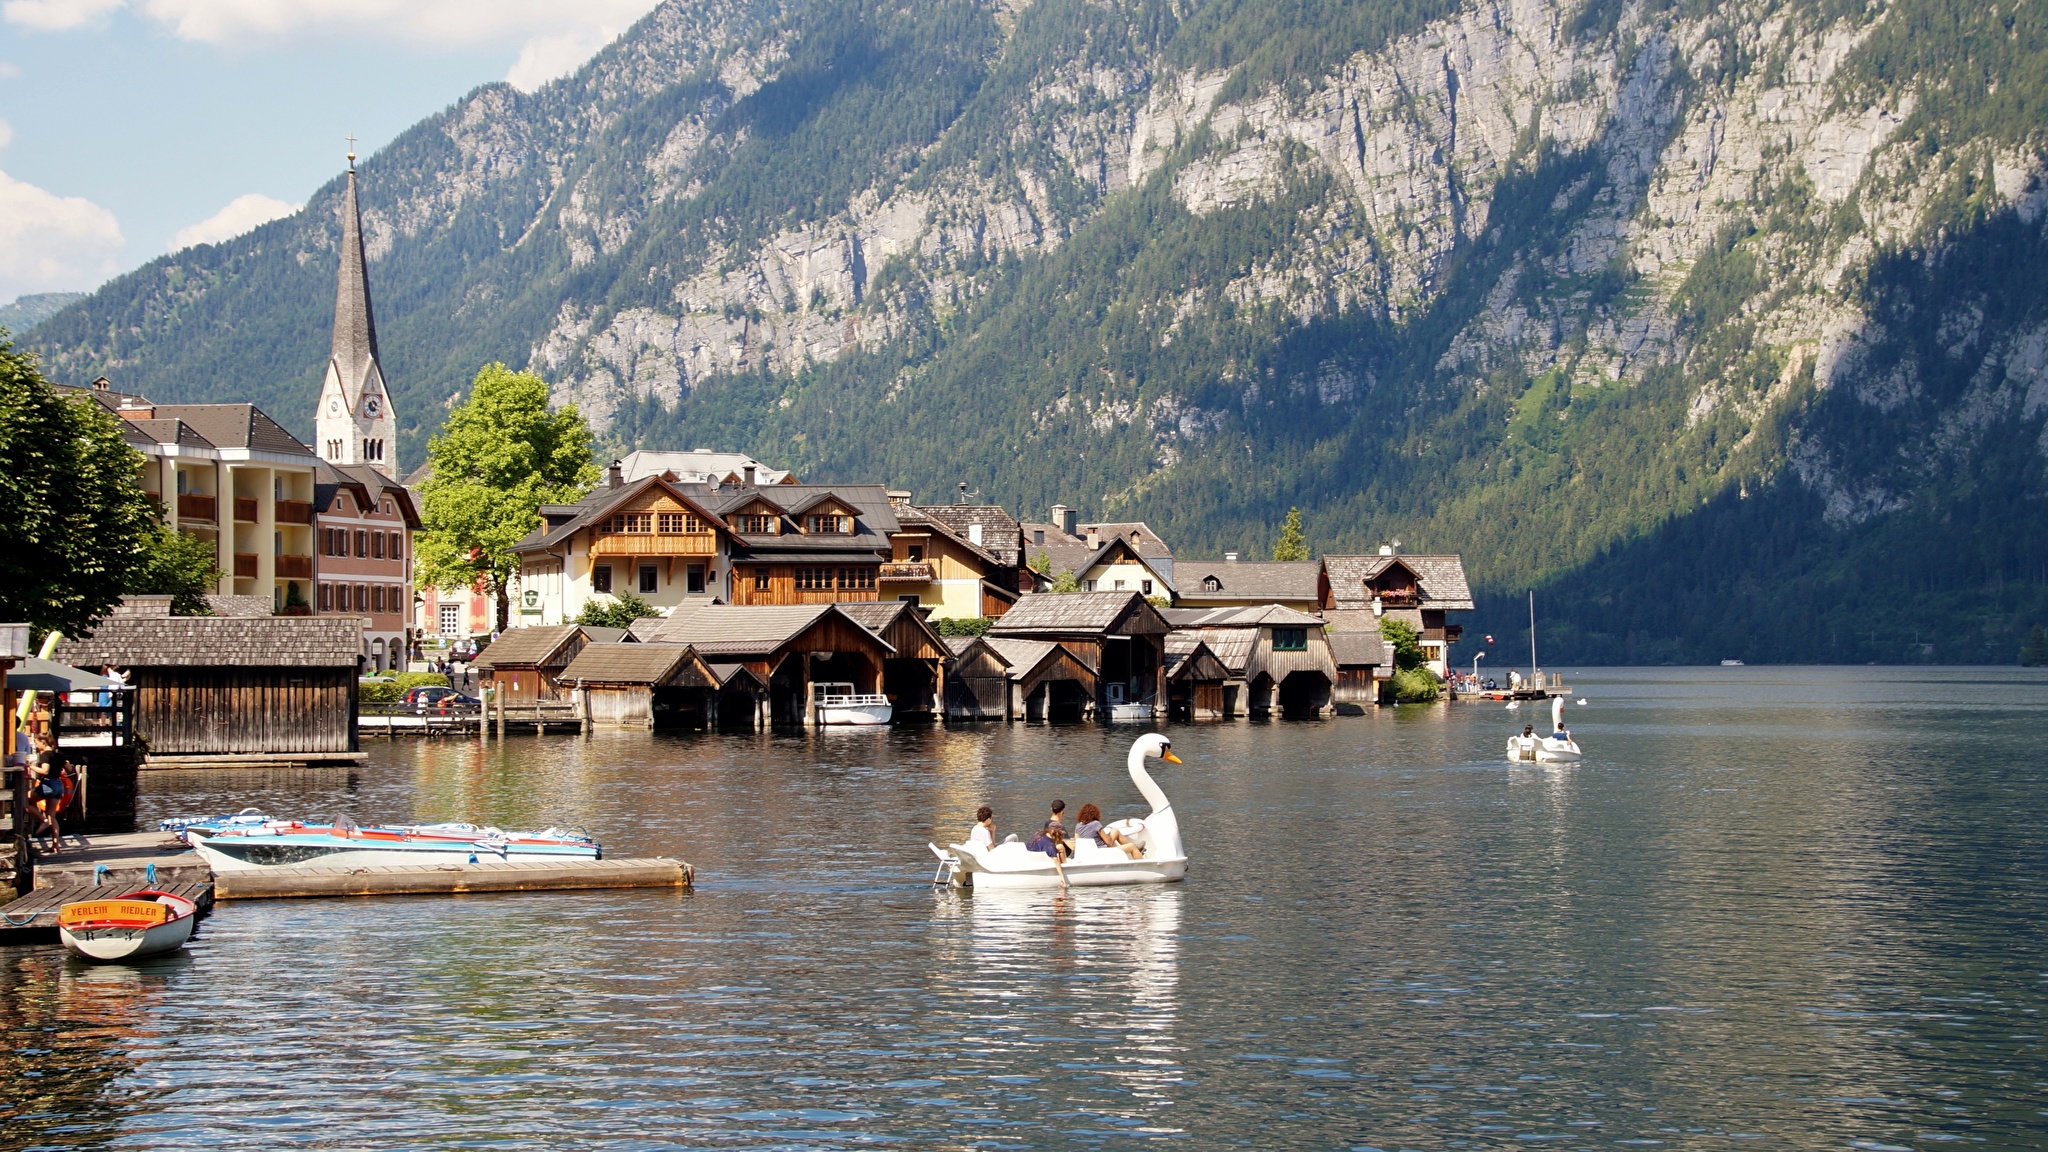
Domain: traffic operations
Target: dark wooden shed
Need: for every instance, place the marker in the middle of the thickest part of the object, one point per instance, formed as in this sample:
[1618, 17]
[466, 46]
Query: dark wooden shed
[257, 690]
[644, 686]
[525, 665]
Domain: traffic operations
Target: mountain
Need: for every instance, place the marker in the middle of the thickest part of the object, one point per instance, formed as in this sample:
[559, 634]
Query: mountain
[1722, 326]
[28, 311]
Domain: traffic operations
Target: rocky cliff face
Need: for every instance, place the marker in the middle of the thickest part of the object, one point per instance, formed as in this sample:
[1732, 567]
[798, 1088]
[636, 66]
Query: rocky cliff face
[1526, 277]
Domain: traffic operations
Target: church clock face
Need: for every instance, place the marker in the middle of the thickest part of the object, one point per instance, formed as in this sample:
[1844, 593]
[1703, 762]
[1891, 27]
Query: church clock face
[334, 405]
[372, 406]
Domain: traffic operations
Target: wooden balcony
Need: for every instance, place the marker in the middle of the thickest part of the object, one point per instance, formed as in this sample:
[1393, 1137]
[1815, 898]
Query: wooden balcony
[291, 567]
[652, 544]
[906, 572]
[192, 506]
[245, 565]
[245, 509]
[294, 512]
[1400, 598]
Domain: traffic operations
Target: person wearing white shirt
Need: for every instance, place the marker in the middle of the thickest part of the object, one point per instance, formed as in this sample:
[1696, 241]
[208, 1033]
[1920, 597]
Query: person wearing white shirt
[983, 835]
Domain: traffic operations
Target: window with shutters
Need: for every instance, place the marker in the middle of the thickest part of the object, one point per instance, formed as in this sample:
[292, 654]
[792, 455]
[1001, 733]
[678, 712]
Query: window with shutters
[377, 598]
[397, 546]
[362, 598]
[362, 544]
[341, 597]
[376, 545]
[327, 597]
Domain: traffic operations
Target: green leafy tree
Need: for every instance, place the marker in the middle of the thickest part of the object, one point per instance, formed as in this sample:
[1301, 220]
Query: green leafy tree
[963, 626]
[1412, 680]
[73, 517]
[500, 456]
[1293, 545]
[179, 565]
[617, 612]
[1066, 582]
[2034, 653]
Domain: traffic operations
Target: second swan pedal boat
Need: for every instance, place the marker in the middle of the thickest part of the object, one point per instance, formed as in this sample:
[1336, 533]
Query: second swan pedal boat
[1012, 865]
[229, 847]
[1556, 748]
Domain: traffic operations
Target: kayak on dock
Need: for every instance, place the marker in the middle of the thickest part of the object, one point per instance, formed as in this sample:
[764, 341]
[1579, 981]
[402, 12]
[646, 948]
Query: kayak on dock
[232, 844]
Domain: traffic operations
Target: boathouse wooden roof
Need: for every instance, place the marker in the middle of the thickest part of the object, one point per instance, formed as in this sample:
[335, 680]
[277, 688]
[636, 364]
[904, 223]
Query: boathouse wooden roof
[1189, 658]
[1077, 614]
[655, 665]
[531, 647]
[754, 630]
[1032, 662]
[217, 641]
[901, 624]
[1246, 616]
[1355, 649]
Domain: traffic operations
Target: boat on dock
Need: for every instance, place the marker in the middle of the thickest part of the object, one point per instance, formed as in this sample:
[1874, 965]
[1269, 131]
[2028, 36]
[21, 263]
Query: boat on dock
[1012, 865]
[229, 847]
[840, 704]
[132, 926]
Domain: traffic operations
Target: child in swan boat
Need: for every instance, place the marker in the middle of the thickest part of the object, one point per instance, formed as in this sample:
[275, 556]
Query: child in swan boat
[983, 834]
[1053, 840]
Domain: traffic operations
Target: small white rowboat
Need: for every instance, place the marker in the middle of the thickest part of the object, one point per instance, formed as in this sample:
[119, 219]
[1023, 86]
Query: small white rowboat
[840, 704]
[131, 926]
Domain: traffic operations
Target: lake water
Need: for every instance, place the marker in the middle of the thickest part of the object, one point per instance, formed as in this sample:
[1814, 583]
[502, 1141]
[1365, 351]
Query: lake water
[1775, 908]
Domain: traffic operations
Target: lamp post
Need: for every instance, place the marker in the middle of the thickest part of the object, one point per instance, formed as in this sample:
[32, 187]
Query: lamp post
[1476, 658]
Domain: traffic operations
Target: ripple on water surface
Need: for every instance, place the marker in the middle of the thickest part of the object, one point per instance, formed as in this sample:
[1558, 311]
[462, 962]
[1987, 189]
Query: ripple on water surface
[1774, 908]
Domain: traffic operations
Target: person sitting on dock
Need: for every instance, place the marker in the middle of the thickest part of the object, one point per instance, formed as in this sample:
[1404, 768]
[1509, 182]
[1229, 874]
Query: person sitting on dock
[983, 834]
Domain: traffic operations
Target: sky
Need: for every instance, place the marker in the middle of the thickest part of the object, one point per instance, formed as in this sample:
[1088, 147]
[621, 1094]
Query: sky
[132, 128]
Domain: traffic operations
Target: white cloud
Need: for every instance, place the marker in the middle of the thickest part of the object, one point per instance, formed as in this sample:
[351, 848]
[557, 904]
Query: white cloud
[9, 70]
[51, 243]
[241, 214]
[545, 58]
[56, 15]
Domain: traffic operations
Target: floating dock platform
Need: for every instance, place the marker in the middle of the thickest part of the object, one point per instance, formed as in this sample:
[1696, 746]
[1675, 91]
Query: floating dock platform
[450, 879]
[33, 918]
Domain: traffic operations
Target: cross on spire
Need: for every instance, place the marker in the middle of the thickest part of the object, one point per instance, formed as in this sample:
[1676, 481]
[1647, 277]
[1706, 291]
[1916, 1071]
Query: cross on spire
[351, 151]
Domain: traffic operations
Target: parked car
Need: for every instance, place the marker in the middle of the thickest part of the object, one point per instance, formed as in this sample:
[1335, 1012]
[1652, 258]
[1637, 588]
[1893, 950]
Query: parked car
[436, 696]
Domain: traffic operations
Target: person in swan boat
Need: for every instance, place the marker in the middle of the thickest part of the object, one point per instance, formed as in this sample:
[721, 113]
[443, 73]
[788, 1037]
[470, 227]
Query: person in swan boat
[983, 834]
[1091, 828]
[1053, 840]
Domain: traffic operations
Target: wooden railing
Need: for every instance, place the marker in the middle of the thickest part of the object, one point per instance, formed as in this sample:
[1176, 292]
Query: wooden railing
[245, 509]
[245, 565]
[1400, 598]
[193, 506]
[652, 544]
[290, 567]
[907, 571]
[294, 512]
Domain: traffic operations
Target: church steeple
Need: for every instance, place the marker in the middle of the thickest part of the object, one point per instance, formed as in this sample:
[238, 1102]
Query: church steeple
[355, 424]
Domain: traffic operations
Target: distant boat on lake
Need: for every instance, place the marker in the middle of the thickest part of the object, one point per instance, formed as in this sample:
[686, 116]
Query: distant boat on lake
[1731, 663]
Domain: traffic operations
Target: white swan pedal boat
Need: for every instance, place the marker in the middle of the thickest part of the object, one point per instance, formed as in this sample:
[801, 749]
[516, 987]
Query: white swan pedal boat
[234, 845]
[1557, 748]
[1012, 865]
[131, 926]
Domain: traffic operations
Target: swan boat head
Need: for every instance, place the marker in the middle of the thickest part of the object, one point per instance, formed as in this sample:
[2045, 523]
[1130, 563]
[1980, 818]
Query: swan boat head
[1162, 828]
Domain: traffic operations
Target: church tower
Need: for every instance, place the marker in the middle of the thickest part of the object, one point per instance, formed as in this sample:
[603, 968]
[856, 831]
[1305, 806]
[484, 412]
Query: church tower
[355, 424]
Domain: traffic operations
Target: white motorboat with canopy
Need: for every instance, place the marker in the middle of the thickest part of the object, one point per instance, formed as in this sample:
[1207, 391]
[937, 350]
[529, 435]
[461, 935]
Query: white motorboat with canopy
[1556, 748]
[1162, 859]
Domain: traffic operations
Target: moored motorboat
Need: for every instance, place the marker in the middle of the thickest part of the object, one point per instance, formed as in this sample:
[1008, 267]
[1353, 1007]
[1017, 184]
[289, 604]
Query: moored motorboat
[1556, 748]
[1012, 865]
[840, 704]
[287, 843]
[131, 926]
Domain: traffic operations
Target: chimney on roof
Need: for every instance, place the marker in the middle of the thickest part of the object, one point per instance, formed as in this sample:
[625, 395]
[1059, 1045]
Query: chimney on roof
[749, 472]
[1094, 536]
[615, 476]
[1230, 557]
[143, 606]
[899, 497]
[1386, 548]
[1065, 519]
[974, 534]
[962, 497]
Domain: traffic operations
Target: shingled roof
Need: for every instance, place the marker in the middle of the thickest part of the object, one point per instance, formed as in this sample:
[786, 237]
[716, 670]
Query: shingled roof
[1198, 581]
[1360, 650]
[1064, 614]
[634, 663]
[526, 647]
[218, 642]
[1001, 535]
[747, 630]
[1246, 616]
[1441, 579]
[235, 426]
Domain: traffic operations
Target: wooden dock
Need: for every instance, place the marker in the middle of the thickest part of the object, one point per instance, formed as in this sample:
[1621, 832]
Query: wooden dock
[126, 858]
[33, 918]
[450, 879]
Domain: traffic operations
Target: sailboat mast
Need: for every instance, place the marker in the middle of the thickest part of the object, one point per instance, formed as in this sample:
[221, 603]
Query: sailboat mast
[1532, 636]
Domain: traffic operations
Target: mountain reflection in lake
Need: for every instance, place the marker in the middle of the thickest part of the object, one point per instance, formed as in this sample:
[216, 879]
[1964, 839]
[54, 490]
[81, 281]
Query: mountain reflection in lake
[1793, 908]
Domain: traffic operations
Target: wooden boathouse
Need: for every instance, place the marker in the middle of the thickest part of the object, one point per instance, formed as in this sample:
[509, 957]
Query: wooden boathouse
[1194, 679]
[1278, 659]
[787, 648]
[525, 665]
[630, 685]
[215, 691]
[914, 675]
[1118, 637]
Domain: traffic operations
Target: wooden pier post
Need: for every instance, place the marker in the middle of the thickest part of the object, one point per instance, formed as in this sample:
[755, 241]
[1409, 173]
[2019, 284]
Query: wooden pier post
[499, 696]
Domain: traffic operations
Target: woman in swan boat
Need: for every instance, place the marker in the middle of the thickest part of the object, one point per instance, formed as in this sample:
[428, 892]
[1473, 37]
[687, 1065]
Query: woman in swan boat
[1161, 858]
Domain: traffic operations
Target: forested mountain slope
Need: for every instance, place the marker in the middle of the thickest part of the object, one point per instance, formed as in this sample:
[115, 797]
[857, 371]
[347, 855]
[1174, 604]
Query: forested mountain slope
[1724, 325]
